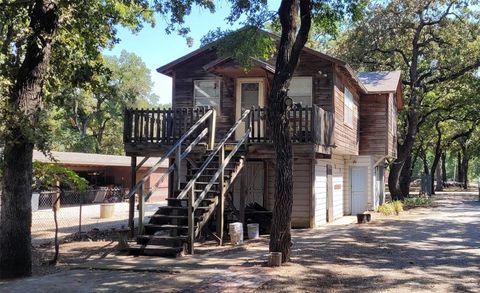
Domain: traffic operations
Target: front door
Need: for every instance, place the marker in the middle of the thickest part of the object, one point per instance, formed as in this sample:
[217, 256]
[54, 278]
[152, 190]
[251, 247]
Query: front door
[250, 93]
[359, 190]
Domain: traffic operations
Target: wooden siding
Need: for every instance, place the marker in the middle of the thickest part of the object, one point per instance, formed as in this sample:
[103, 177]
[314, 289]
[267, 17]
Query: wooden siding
[346, 138]
[374, 124]
[302, 191]
[310, 65]
[185, 75]
[376, 132]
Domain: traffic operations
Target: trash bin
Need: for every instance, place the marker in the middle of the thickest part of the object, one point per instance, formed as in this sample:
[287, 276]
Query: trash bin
[107, 210]
[35, 200]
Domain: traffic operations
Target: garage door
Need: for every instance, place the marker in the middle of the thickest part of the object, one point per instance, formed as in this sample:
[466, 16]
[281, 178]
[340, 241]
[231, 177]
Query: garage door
[359, 190]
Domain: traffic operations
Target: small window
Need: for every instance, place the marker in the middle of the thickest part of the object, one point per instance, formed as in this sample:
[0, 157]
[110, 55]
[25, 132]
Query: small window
[207, 93]
[393, 117]
[300, 90]
[348, 108]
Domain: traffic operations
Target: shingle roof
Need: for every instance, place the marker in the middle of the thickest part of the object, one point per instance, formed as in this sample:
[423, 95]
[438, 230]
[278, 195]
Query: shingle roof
[380, 81]
[70, 158]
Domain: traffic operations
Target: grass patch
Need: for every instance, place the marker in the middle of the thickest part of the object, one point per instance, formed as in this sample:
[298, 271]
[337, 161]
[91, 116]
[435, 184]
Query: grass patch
[397, 206]
[415, 202]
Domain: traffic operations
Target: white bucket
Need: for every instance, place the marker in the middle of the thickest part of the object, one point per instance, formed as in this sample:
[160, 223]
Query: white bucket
[235, 230]
[35, 199]
[253, 231]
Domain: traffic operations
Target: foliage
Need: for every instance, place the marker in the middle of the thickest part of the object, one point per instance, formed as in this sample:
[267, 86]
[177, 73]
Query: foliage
[413, 202]
[90, 115]
[46, 175]
[433, 43]
[386, 209]
[397, 206]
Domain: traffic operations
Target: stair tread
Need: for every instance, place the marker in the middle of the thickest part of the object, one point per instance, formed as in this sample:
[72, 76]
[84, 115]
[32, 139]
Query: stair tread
[154, 247]
[165, 237]
[182, 208]
[172, 217]
[185, 199]
[167, 226]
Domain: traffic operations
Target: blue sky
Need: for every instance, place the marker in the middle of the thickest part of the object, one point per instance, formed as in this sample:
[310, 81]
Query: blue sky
[157, 48]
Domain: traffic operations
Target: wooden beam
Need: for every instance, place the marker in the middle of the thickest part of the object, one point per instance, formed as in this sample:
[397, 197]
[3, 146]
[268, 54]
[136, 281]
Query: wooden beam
[221, 200]
[131, 200]
[243, 188]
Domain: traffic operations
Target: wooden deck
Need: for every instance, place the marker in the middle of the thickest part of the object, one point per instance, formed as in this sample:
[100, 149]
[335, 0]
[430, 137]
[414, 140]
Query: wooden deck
[149, 132]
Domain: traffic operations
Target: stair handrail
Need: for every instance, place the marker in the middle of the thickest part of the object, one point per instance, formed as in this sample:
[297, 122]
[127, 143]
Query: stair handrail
[176, 148]
[193, 204]
[219, 146]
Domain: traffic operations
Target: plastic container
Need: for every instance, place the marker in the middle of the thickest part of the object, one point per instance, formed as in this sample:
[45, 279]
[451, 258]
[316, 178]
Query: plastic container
[235, 230]
[107, 210]
[253, 231]
[35, 199]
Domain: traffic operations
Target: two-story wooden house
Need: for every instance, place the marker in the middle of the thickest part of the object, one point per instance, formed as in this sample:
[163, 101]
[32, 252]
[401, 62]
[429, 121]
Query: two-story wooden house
[342, 123]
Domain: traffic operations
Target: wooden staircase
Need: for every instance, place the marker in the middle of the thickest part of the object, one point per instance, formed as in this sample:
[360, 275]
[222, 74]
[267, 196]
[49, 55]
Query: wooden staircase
[173, 229]
[166, 234]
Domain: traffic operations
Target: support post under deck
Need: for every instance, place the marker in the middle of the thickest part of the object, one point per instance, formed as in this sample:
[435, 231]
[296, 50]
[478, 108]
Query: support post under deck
[221, 197]
[131, 200]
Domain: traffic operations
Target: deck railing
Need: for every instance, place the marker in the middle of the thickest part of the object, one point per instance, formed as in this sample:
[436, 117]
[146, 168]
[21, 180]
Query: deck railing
[159, 125]
[310, 124]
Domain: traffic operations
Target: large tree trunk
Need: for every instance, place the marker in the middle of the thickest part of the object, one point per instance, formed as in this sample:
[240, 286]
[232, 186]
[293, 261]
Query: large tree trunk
[438, 176]
[406, 175]
[444, 167]
[435, 170]
[25, 101]
[292, 41]
[398, 185]
[16, 214]
[459, 177]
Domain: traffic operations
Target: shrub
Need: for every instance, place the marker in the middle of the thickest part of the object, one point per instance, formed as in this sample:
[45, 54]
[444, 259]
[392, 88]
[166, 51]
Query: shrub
[413, 202]
[386, 209]
[397, 206]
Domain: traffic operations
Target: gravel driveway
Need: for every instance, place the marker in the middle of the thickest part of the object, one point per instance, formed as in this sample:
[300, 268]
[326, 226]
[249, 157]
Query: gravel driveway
[422, 250]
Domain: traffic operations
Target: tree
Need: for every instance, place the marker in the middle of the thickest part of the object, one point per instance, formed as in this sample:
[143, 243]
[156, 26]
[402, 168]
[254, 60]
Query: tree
[36, 35]
[433, 42]
[90, 117]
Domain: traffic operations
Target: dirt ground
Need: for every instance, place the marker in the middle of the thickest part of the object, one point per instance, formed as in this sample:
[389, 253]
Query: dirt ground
[422, 250]
[434, 249]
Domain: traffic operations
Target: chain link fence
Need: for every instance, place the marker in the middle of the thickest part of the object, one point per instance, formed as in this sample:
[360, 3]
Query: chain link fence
[81, 211]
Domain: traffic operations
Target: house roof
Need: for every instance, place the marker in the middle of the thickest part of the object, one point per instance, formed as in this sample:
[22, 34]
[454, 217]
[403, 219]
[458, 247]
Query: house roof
[85, 159]
[380, 81]
[375, 82]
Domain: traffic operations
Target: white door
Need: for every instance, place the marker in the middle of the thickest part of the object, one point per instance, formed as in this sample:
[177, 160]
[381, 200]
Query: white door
[359, 190]
[250, 92]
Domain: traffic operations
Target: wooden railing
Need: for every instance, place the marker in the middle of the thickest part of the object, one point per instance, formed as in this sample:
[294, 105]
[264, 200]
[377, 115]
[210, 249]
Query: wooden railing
[159, 125]
[219, 150]
[310, 124]
[204, 127]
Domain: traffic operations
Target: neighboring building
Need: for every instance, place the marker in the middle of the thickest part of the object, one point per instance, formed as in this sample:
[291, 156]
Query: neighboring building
[343, 128]
[108, 170]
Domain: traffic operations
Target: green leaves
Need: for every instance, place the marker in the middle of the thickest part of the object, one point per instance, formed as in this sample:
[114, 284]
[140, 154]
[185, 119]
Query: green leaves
[46, 175]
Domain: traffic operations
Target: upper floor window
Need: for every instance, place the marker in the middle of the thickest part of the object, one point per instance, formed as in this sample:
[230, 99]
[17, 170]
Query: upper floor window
[393, 117]
[207, 93]
[348, 108]
[300, 90]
